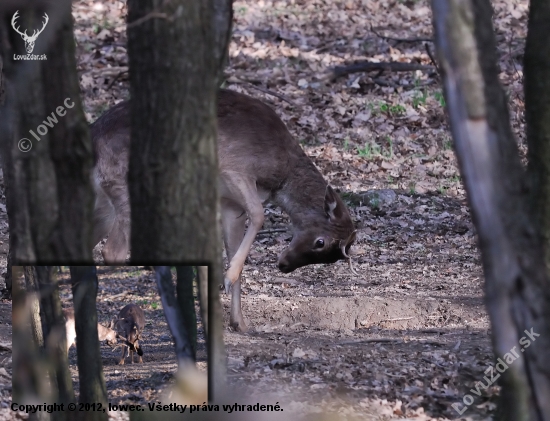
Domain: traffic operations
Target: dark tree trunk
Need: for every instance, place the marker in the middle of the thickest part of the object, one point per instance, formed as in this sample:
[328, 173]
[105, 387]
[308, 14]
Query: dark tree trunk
[173, 162]
[173, 156]
[55, 338]
[222, 21]
[186, 304]
[90, 370]
[174, 315]
[537, 116]
[50, 198]
[7, 279]
[517, 288]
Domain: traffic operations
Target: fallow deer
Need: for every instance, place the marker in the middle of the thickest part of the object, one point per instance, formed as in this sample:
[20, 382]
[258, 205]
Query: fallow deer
[259, 160]
[104, 333]
[129, 326]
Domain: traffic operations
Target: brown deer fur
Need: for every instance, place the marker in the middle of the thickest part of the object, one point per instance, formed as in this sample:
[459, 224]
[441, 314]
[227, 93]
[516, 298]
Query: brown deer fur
[258, 161]
[104, 333]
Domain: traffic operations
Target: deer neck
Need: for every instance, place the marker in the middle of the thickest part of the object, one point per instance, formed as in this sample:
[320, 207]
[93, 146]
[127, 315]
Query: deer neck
[103, 332]
[302, 196]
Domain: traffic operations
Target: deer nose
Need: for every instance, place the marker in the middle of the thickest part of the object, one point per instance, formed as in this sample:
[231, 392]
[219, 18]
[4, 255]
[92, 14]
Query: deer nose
[284, 267]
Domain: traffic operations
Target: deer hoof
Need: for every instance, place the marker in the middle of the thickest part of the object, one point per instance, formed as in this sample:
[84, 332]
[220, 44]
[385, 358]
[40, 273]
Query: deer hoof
[227, 284]
[121, 362]
[239, 325]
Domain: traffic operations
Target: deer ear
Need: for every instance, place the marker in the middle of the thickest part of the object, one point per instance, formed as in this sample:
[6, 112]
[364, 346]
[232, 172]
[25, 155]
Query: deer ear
[333, 209]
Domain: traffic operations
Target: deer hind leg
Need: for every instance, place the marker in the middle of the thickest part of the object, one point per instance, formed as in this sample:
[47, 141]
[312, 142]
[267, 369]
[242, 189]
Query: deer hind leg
[104, 214]
[136, 347]
[117, 245]
[121, 362]
[233, 224]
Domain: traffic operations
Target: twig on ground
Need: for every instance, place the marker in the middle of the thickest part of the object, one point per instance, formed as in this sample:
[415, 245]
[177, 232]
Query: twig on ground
[271, 231]
[398, 319]
[432, 58]
[370, 341]
[112, 82]
[149, 16]
[259, 88]
[400, 39]
[368, 66]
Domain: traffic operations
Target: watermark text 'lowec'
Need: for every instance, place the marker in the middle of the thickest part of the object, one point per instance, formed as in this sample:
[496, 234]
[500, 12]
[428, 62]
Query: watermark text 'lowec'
[25, 144]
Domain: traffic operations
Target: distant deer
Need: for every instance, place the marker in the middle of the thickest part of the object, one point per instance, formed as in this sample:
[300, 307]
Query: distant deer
[259, 160]
[129, 326]
[104, 333]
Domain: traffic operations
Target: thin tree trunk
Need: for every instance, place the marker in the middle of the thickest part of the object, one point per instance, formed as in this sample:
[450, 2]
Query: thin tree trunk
[31, 286]
[202, 282]
[222, 20]
[186, 304]
[90, 370]
[55, 338]
[174, 316]
[517, 288]
[537, 116]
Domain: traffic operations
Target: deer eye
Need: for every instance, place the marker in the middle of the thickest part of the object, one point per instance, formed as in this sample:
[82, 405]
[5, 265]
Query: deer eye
[319, 243]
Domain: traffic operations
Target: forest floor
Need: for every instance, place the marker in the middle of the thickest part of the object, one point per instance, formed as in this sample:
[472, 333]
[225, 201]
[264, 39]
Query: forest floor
[409, 336]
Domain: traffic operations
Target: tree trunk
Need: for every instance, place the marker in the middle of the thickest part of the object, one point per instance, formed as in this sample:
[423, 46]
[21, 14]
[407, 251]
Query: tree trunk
[173, 155]
[90, 370]
[174, 315]
[186, 304]
[202, 283]
[55, 338]
[517, 288]
[537, 116]
[31, 287]
[30, 381]
[8, 279]
[222, 20]
[50, 198]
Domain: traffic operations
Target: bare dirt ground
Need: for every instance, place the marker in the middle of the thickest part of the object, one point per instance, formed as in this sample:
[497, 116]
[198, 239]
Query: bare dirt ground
[407, 337]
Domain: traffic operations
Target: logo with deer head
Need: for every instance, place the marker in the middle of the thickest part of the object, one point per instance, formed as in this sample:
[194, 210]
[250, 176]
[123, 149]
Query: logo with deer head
[29, 40]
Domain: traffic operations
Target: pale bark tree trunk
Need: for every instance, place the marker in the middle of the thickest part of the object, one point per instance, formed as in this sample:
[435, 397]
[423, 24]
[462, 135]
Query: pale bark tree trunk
[30, 381]
[173, 156]
[202, 281]
[517, 288]
[31, 286]
[90, 370]
[537, 116]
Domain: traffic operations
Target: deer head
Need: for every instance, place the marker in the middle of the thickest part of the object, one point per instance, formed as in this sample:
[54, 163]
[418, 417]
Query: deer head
[324, 239]
[29, 40]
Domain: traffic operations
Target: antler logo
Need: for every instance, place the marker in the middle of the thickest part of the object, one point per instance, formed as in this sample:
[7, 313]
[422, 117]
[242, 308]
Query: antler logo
[29, 40]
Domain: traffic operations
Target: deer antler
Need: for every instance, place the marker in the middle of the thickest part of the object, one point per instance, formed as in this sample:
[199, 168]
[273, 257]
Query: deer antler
[13, 19]
[37, 32]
